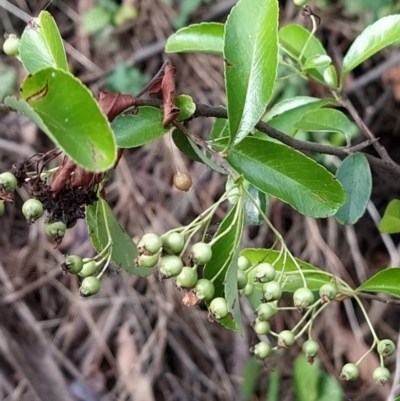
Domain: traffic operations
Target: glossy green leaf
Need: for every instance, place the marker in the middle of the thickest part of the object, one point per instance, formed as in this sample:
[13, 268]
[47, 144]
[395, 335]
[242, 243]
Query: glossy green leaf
[285, 114]
[251, 61]
[133, 130]
[289, 175]
[330, 389]
[99, 216]
[206, 37]
[326, 120]
[251, 373]
[314, 277]
[374, 38]
[190, 149]
[274, 384]
[293, 38]
[41, 45]
[253, 216]
[187, 106]
[355, 176]
[386, 281]
[320, 60]
[330, 76]
[223, 265]
[306, 379]
[390, 222]
[68, 113]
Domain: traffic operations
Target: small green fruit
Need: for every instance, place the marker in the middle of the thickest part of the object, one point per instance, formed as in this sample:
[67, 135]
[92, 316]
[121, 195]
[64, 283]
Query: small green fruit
[328, 292]
[262, 350]
[266, 312]
[150, 242]
[381, 375]
[201, 252]
[300, 3]
[272, 291]
[32, 209]
[243, 263]
[349, 372]
[219, 308]
[248, 290]
[310, 349]
[285, 339]
[205, 289]
[242, 279]
[173, 243]
[11, 45]
[303, 298]
[261, 327]
[88, 268]
[264, 273]
[148, 260]
[187, 278]
[73, 264]
[1, 208]
[386, 348]
[125, 13]
[55, 230]
[89, 286]
[8, 181]
[171, 266]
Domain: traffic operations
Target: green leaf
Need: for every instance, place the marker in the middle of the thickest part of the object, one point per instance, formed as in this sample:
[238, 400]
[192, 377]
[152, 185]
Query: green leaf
[306, 377]
[253, 216]
[8, 79]
[251, 61]
[187, 106]
[355, 176]
[98, 217]
[289, 175]
[320, 60]
[274, 378]
[386, 281]
[390, 222]
[330, 389]
[326, 120]
[221, 269]
[293, 38]
[68, 113]
[292, 279]
[191, 150]
[251, 373]
[133, 130]
[41, 45]
[96, 19]
[374, 38]
[285, 114]
[206, 37]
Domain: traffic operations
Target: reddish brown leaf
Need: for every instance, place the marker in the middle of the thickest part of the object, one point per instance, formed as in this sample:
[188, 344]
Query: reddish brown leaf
[168, 93]
[113, 104]
[155, 86]
[62, 175]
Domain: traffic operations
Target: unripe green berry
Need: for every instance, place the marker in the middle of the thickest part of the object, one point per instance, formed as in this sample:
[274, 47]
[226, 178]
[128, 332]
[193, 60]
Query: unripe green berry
[88, 268]
[285, 339]
[262, 350]
[8, 181]
[267, 311]
[386, 348]
[205, 289]
[219, 308]
[272, 291]
[261, 327]
[73, 264]
[303, 298]
[328, 292]
[32, 209]
[264, 272]
[173, 243]
[187, 278]
[310, 349]
[248, 290]
[201, 252]
[242, 279]
[381, 375]
[11, 45]
[243, 263]
[150, 242]
[349, 372]
[89, 286]
[1, 208]
[55, 230]
[148, 260]
[171, 266]
[300, 3]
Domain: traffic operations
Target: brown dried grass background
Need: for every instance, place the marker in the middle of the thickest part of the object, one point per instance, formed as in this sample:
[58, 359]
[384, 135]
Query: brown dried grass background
[135, 340]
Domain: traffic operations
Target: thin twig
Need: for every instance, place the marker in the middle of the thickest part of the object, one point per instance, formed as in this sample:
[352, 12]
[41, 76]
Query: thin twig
[378, 298]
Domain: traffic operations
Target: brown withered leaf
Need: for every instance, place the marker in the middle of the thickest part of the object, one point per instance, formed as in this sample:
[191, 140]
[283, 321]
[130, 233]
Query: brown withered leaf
[168, 94]
[393, 76]
[113, 104]
[62, 175]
